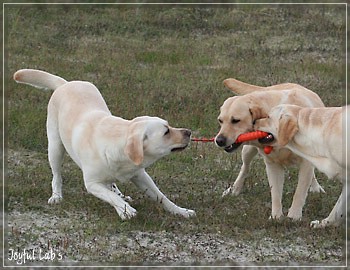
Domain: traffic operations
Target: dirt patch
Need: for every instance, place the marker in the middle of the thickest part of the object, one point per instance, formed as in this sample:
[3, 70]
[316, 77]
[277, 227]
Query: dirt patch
[46, 235]
[41, 234]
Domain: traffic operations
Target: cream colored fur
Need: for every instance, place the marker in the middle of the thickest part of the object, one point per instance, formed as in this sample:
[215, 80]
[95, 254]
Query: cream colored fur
[105, 147]
[318, 135]
[237, 116]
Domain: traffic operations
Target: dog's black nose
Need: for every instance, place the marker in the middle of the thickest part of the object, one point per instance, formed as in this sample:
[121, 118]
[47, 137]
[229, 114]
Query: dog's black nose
[220, 141]
[187, 132]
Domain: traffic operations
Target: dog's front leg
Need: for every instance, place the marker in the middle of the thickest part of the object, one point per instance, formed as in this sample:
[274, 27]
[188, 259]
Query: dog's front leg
[116, 190]
[144, 182]
[124, 210]
[305, 178]
[248, 153]
[275, 175]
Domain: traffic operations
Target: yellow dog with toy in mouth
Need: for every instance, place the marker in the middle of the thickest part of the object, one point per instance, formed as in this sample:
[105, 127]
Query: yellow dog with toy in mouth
[238, 115]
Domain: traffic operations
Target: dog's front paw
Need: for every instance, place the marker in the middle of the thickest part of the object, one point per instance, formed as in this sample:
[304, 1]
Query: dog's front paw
[295, 215]
[126, 212]
[233, 190]
[317, 224]
[278, 216]
[55, 198]
[185, 212]
[226, 192]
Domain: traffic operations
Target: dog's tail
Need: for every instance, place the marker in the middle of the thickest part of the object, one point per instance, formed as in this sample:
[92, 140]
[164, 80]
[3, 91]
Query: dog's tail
[241, 88]
[38, 78]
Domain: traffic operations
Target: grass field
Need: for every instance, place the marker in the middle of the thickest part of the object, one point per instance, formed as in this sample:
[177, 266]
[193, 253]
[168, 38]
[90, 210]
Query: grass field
[168, 61]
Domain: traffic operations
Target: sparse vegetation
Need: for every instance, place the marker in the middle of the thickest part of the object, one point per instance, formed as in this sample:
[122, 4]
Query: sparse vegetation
[168, 61]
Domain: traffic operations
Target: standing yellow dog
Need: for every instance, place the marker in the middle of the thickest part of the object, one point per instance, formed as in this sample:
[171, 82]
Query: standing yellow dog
[318, 135]
[238, 115]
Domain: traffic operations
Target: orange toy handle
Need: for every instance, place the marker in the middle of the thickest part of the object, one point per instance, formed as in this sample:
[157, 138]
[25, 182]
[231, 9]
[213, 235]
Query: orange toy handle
[250, 136]
[268, 149]
[254, 135]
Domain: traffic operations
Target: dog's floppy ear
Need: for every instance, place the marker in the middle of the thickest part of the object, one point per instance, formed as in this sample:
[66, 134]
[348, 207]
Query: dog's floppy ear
[288, 127]
[134, 143]
[257, 113]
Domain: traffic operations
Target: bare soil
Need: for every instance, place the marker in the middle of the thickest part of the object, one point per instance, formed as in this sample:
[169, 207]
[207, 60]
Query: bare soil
[38, 231]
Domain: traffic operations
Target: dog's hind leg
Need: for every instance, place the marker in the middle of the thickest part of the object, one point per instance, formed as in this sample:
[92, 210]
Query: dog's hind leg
[248, 153]
[315, 186]
[56, 153]
[337, 214]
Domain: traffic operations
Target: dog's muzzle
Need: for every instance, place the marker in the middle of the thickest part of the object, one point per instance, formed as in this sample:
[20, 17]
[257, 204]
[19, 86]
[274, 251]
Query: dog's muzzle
[187, 136]
[221, 142]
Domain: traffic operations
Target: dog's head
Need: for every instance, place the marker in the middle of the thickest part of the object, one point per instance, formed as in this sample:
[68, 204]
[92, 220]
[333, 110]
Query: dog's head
[281, 123]
[152, 138]
[237, 115]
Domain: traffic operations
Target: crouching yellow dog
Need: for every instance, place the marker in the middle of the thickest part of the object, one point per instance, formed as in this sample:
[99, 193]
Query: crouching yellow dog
[105, 147]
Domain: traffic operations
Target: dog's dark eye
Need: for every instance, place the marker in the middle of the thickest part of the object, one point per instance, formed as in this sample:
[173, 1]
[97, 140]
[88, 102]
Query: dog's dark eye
[220, 121]
[234, 121]
[167, 132]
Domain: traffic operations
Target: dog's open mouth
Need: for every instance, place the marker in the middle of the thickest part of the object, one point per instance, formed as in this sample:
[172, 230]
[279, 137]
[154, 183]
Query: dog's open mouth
[232, 147]
[268, 139]
[178, 149]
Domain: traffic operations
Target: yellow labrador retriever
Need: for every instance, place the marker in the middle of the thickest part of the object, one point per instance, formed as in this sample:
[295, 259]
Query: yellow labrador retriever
[238, 115]
[318, 135]
[105, 147]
